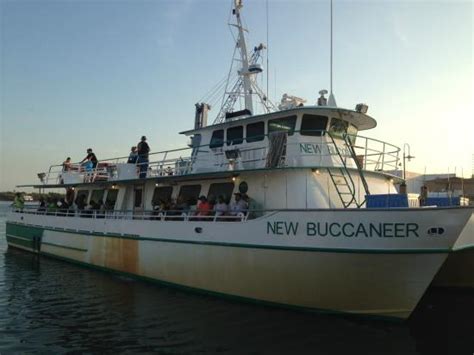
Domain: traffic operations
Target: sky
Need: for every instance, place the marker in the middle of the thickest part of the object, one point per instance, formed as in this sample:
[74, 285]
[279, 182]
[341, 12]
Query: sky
[76, 74]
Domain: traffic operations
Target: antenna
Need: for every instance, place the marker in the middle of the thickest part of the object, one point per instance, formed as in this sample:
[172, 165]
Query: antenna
[332, 99]
[268, 51]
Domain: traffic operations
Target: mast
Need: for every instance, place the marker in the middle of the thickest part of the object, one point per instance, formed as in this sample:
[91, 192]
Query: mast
[242, 46]
[245, 85]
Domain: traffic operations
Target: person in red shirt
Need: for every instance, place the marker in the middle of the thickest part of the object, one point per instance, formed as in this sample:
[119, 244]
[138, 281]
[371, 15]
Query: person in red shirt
[204, 208]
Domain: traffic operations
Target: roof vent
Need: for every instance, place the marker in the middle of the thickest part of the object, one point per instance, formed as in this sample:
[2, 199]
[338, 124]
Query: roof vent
[362, 108]
[289, 102]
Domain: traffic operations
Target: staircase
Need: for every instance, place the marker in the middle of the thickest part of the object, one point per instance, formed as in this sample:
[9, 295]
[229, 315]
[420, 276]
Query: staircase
[342, 179]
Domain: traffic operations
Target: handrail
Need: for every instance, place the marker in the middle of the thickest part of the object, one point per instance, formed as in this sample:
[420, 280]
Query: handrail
[378, 155]
[162, 215]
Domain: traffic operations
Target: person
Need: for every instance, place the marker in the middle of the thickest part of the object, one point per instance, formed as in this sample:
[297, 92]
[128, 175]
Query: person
[67, 164]
[90, 157]
[19, 201]
[204, 208]
[143, 149]
[63, 207]
[253, 207]
[100, 209]
[42, 205]
[52, 205]
[423, 195]
[238, 205]
[133, 157]
[221, 208]
[80, 202]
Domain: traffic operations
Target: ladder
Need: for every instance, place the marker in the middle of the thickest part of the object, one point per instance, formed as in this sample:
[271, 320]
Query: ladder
[342, 179]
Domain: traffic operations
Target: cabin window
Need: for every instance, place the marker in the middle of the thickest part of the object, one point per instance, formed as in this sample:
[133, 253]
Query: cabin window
[313, 125]
[217, 139]
[338, 127]
[161, 194]
[255, 132]
[235, 135]
[97, 195]
[190, 194]
[224, 188]
[284, 124]
[111, 199]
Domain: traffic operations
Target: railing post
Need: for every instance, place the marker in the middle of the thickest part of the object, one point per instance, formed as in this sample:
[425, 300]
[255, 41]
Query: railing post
[383, 156]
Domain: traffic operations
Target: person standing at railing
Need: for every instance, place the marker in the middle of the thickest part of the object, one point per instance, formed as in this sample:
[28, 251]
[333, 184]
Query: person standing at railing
[133, 157]
[143, 151]
[67, 164]
[90, 157]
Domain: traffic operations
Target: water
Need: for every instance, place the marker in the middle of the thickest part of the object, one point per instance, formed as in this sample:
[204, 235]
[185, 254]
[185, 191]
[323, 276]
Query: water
[48, 306]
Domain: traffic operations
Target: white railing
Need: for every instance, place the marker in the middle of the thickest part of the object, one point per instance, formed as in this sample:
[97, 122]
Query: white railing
[373, 154]
[150, 215]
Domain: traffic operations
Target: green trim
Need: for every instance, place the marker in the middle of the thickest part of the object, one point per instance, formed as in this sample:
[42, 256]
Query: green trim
[219, 294]
[24, 242]
[63, 246]
[19, 237]
[260, 246]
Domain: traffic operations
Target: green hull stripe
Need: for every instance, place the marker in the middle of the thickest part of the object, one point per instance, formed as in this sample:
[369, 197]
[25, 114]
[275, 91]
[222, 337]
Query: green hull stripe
[20, 241]
[260, 246]
[63, 246]
[222, 295]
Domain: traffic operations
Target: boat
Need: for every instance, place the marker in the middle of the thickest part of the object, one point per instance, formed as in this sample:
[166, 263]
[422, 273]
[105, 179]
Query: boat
[322, 228]
[458, 269]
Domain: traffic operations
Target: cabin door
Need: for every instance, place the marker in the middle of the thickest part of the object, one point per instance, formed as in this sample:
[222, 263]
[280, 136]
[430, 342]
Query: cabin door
[138, 199]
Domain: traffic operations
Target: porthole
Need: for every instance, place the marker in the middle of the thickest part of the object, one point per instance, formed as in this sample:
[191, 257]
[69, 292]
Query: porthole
[243, 187]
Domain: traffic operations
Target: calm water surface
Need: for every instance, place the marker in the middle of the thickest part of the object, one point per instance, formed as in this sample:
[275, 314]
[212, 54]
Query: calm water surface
[48, 306]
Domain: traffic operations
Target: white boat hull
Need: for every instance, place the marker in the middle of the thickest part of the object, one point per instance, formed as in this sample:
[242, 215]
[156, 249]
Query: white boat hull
[458, 270]
[265, 260]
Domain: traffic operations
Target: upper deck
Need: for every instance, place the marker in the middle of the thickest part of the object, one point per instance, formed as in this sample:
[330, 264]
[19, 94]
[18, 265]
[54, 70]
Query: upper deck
[312, 137]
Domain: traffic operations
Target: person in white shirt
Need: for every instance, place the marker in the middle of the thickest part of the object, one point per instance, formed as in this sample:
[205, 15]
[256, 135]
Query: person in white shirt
[221, 208]
[238, 205]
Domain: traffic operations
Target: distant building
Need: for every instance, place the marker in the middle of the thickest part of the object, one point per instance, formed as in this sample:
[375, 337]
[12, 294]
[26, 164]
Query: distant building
[448, 183]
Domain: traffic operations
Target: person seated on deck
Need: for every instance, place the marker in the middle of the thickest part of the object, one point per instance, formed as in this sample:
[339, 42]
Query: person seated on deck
[238, 205]
[204, 208]
[100, 209]
[42, 205]
[52, 205]
[221, 208]
[253, 209]
[80, 203]
[133, 157]
[182, 205]
[63, 207]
